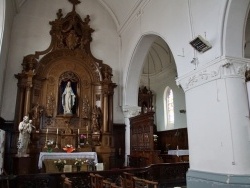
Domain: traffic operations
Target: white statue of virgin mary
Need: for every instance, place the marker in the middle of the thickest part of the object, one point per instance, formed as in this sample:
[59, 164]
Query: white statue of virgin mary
[68, 99]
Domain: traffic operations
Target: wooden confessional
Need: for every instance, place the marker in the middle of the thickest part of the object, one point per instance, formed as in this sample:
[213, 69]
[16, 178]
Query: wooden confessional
[45, 75]
[143, 144]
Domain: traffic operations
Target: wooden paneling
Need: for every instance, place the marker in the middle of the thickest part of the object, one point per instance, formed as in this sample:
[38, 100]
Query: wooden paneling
[142, 147]
[117, 160]
[171, 139]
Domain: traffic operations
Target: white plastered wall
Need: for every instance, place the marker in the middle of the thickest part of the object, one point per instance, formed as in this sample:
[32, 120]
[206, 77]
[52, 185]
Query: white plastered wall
[2, 145]
[6, 18]
[2, 65]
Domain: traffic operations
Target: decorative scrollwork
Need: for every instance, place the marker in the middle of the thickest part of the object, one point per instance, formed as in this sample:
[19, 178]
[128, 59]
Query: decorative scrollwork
[85, 108]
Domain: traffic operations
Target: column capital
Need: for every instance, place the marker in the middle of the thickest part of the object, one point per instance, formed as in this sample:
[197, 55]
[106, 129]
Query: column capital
[131, 111]
[220, 68]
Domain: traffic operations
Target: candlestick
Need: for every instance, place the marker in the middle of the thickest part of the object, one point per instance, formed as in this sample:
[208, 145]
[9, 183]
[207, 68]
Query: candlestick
[78, 131]
[56, 140]
[87, 142]
[46, 139]
[78, 141]
[47, 130]
[57, 131]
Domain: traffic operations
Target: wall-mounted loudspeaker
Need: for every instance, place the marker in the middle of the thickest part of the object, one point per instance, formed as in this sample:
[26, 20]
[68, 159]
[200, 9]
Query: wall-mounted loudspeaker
[200, 44]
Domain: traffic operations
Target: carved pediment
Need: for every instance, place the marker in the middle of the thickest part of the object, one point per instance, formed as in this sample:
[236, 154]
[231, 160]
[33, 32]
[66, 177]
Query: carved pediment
[70, 32]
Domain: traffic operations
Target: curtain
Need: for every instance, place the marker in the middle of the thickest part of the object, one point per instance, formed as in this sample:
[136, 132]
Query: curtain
[2, 144]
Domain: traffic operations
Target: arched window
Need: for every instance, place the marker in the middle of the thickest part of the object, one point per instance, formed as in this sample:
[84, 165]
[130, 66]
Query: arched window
[168, 107]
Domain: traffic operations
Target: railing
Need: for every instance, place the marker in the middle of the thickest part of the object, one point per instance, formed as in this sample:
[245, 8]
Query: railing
[165, 174]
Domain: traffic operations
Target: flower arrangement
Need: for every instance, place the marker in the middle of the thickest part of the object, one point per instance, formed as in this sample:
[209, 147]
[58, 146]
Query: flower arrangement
[78, 162]
[60, 164]
[49, 144]
[91, 165]
[82, 139]
[69, 148]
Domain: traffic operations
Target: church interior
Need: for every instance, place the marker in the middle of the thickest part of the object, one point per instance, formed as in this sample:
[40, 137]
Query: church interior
[130, 93]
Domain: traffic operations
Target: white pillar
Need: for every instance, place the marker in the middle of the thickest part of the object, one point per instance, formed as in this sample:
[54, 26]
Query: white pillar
[248, 94]
[129, 111]
[218, 117]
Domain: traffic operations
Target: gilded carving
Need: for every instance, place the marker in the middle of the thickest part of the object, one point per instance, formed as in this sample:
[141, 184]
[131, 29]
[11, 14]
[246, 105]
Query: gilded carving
[51, 80]
[68, 76]
[70, 66]
[72, 40]
[59, 122]
[85, 108]
[50, 106]
[48, 122]
[96, 115]
[29, 63]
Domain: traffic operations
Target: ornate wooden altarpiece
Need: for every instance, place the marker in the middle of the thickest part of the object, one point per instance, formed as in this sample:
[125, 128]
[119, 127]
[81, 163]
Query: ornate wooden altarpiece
[44, 77]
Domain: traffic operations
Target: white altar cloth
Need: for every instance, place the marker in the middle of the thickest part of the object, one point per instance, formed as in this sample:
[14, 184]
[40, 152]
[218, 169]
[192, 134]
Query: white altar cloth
[178, 152]
[63, 155]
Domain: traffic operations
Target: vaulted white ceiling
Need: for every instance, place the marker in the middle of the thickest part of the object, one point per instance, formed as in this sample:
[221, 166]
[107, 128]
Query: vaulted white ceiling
[119, 10]
[159, 59]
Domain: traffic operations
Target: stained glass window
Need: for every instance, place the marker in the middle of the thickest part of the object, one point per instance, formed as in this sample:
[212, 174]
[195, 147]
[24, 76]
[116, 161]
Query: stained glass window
[169, 107]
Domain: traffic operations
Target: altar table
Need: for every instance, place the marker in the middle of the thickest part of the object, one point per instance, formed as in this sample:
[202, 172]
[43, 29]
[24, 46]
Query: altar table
[178, 152]
[63, 155]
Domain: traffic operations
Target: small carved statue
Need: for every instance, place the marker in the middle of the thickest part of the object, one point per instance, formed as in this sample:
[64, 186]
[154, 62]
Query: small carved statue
[95, 122]
[96, 134]
[25, 128]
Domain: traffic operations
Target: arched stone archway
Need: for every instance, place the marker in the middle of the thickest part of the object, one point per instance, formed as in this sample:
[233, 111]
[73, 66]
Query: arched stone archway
[135, 67]
[132, 82]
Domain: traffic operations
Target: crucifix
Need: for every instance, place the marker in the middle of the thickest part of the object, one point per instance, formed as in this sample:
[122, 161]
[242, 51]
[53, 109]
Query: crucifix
[74, 2]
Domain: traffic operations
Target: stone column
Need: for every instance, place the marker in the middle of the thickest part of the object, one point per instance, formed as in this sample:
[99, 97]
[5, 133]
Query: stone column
[247, 74]
[217, 121]
[129, 111]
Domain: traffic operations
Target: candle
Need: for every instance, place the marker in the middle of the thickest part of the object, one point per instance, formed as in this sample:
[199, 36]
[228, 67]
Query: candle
[57, 131]
[78, 131]
[87, 127]
[47, 130]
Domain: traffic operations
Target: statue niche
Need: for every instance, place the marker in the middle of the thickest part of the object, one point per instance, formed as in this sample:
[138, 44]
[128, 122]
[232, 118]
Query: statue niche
[67, 95]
